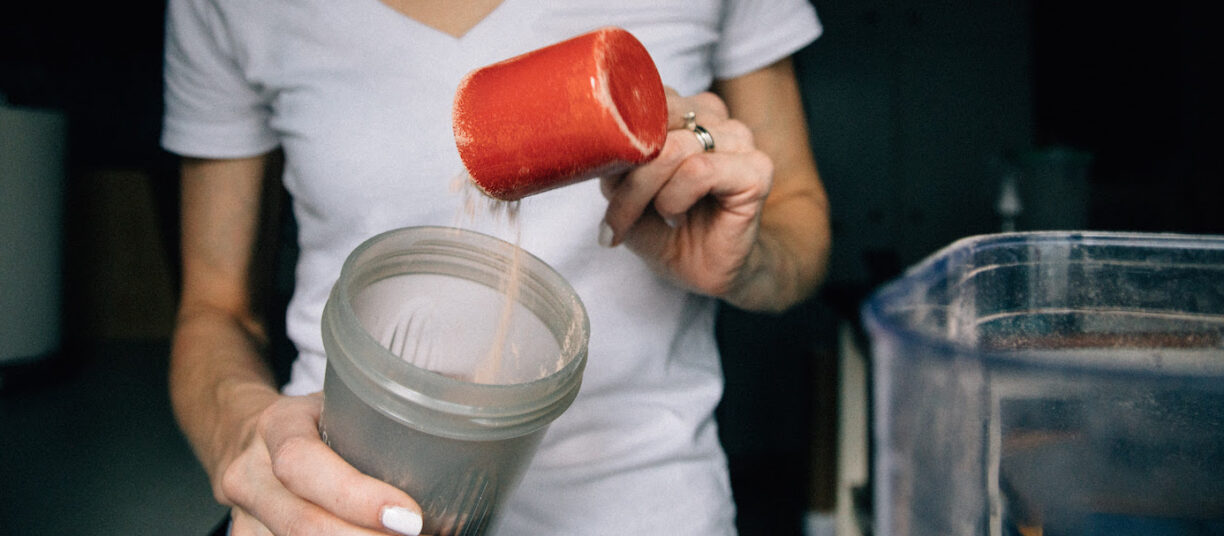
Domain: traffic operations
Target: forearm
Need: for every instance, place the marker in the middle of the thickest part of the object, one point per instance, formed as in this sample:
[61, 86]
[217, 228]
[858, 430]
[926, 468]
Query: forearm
[218, 382]
[790, 256]
[789, 259]
[218, 377]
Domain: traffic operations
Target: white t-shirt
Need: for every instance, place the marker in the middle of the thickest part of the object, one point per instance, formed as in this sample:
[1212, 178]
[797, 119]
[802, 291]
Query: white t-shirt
[359, 97]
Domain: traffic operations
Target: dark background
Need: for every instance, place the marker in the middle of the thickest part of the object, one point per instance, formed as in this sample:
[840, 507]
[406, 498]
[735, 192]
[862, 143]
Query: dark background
[905, 84]
[916, 109]
[1129, 86]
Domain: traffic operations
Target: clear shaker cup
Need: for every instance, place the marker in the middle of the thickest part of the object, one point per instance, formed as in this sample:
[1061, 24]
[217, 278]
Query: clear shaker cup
[443, 373]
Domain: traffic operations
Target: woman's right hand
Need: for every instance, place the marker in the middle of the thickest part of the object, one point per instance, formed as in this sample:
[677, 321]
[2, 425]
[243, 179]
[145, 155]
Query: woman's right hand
[286, 480]
[261, 449]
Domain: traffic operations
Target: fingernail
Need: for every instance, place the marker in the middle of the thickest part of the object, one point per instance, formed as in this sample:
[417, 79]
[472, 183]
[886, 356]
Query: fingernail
[605, 234]
[401, 520]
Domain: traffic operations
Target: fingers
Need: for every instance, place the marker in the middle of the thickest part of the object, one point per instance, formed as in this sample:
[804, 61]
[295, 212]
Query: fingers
[706, 107]
[629, 195]
[740, 182]
[244, 524]
[274, 510]
[312, 470]
[291, 482]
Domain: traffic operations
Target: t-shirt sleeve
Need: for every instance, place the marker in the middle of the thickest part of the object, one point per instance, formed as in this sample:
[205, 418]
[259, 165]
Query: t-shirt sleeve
[212, 110]
[756, 33]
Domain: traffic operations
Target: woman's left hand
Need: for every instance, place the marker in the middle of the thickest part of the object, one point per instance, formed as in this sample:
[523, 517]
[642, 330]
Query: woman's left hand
[694, 212]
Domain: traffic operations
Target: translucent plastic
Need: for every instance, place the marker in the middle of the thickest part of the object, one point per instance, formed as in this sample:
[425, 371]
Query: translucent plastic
[432, 383]
[1054, 384]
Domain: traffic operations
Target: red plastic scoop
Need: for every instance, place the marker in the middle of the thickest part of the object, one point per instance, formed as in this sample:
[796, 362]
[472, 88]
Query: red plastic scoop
[586, 107]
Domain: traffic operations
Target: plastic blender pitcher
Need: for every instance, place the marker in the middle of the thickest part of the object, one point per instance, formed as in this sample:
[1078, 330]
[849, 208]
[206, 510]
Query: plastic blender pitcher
[1051, 383]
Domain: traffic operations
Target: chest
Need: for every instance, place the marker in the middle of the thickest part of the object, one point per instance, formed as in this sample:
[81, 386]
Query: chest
[361, 94]
[446, 16]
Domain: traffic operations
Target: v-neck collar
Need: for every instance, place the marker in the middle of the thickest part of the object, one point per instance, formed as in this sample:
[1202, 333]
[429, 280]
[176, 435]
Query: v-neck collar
[506, 8]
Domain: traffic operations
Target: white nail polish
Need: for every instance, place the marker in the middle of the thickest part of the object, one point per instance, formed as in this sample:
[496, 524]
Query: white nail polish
[605, 234]
[401, 520]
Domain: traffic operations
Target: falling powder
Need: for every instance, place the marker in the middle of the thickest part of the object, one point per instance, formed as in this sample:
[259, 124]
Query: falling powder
[475, 204]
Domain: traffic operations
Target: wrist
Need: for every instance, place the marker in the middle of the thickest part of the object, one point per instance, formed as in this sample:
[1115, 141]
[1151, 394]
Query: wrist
[239, 405]
[775, 275]
[753, 287]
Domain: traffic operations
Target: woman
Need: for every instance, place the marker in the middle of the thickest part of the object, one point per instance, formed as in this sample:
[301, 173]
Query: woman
[357, 93]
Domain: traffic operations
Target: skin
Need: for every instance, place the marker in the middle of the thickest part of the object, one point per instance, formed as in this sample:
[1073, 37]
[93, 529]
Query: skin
[747, 223]
[260, 449]
[447, 16]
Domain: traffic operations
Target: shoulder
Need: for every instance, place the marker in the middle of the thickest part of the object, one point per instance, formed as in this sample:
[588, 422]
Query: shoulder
[757, 33]
[680, 35]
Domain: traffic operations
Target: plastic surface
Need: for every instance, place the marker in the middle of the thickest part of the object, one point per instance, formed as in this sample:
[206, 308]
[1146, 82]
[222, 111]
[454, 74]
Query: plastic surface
[1051, 383]
[586, 107]
[414, 394]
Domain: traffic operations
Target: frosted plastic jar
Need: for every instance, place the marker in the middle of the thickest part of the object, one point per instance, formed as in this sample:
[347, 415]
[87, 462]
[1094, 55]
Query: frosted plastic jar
[414, 396]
